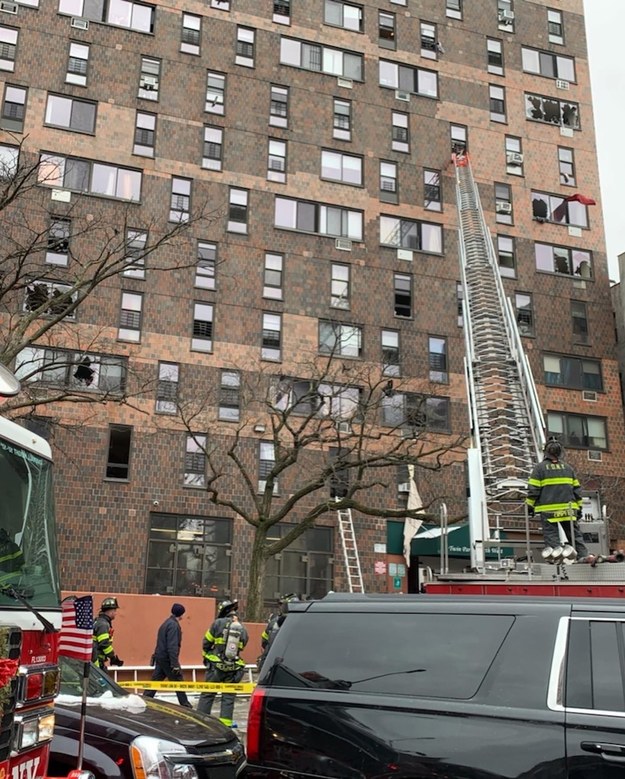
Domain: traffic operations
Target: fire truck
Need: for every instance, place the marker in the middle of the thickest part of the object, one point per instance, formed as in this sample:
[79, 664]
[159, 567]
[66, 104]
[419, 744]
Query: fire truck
[30, 612]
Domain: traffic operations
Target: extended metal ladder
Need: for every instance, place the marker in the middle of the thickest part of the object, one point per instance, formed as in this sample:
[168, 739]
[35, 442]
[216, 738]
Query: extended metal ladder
[506, 421]
[350, 551]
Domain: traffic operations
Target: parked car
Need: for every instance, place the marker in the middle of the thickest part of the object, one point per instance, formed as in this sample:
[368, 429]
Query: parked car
[160, 741]
[431, 686]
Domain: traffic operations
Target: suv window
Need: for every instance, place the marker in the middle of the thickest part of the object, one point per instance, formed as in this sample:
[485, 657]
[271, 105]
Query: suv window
[427, 655]
[596, 665]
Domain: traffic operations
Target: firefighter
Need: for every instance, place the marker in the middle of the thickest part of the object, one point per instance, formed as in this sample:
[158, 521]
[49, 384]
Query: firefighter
[103, 652]
[221, 648]
[275, 622]
[553, 491]
[11, 559]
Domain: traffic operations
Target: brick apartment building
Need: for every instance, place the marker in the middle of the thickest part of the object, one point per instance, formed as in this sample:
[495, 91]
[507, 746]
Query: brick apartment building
[318, 136]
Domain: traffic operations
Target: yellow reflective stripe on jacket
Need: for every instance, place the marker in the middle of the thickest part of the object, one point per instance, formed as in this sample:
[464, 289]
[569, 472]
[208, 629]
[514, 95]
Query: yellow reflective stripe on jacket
[209, 636]
[12, 556]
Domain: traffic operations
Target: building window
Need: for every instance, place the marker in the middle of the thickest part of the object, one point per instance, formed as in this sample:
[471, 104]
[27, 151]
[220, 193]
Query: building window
[271, 348]
[566, 163]
[245, 47]
[318, 218]
[189, 555]
[74, 370]
[195, 461]
[221, 5]
[215, 92]
[276, 161]
[576, 431]
[453, 9]
[504, 213]
[237, 210]
[340, 286]
[213, 148]
[460, 304]
[554, 208]
[409, 234]
[437, 359]
[266, 463]
[402, 284]
[342, 120]
[340, 340]
[58, 249]
[305, 567]
[191, 35]
[76, 64]
[544, 63]
[459, 135]
[120, 13]
[494, 54]
[579, 316]
[572, 372]
[415, 413]
[202, 340]
[506, 256]
[49, 298]
[505, 15]
[386, 30]
[70, 113]
[273, 276]
[388, 182]
[230, 396]
[87, 176]
[136, 241]
[429, 41]
[167, 388]
[552, 111]
[400, 133]
[13, 108]
[555, 26]
[560, 259]
[180, 200]
[391, 358]
[282, 11]
[432, 197]
[514, 156]
[118, 460]
[8, 47]
[408, 79]
[130, 317]
[346, 168]
[206, 265]
[324, 59]
[346, 15]
[279, 106]
[149, 78]
[145, 134]
[524, 308]
[497, 103]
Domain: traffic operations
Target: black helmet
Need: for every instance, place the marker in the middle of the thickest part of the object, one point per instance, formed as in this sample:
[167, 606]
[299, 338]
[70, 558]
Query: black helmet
[284, 600]
[109, 603]
[553, 448]
[225, 607]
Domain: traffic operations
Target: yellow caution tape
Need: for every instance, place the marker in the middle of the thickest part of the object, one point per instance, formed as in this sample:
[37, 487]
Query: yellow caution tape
[242, 687]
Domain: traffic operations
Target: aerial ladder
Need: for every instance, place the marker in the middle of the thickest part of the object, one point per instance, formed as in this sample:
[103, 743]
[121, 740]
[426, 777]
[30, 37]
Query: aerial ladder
[507, 426]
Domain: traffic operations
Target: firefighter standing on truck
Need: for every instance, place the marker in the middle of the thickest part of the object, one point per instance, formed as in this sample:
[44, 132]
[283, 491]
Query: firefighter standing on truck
[103, 652]
[221, 648]
[554, 492]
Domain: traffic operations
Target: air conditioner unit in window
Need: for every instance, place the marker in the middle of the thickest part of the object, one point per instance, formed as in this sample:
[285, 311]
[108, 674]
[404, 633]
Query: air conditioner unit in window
[8, 8]
[562, 84]
[346, 83]
[404, 487]
[589, 395]
[400, 94]
[262, 484]
[79, 24]
[404, 254]
[595, 455]
[388, 186]
[506, 16]
[502, 207]
[343, 244]
[276, 164]
[343, 427]
[148, 82]
[514, 158]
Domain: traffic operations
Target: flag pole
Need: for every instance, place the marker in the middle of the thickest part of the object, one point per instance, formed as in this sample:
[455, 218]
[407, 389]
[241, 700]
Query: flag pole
[83, 714]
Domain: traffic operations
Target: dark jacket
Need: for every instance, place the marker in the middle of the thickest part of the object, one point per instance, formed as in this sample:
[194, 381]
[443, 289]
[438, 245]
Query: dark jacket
[553, 489]
[168, 643]
[213, 645]
[103, 640]
[11, 559]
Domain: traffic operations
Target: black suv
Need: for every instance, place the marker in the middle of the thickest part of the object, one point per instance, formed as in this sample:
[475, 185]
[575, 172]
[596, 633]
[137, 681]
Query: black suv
[359, 686]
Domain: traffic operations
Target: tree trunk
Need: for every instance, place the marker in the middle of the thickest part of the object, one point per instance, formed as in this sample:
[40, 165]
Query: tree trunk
[254, 611]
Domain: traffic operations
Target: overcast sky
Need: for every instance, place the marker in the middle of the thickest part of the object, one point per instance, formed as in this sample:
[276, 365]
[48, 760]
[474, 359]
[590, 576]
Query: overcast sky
[607, 71]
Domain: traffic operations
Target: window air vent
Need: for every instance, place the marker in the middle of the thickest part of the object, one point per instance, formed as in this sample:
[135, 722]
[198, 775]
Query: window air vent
[387, 186]
[404, 254]
[404, 487]
[276, 164]
[589, 395]
[502, 207]
[562, 84]
[80, 24]
[262, 484]
[8, 8]
[400, 94]
[347, 83]
[343, 244]
[514, 158]
[595, 455]
[343, 427]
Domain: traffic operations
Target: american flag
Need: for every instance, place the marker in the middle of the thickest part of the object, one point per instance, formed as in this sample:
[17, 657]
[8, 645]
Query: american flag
[77, 628]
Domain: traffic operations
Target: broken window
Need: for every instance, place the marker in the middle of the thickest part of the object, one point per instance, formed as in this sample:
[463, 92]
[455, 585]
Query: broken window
[552, 111]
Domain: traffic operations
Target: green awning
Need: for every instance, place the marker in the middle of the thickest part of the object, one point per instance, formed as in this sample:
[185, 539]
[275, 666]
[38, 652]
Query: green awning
[427, 542]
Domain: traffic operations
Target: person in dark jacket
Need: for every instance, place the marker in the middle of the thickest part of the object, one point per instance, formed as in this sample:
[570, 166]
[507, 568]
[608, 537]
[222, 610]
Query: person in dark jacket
[274, 624]
[166, 657]
[103, 652]
[11, 559]
[554, 492]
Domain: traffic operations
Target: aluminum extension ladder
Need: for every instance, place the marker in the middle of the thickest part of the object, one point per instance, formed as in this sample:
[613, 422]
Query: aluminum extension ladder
[506, 421]
[350, 551]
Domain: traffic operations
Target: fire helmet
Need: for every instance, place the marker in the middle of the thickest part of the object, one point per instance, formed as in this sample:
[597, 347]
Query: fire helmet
[109, 603]
[553, 448]
[226, 607]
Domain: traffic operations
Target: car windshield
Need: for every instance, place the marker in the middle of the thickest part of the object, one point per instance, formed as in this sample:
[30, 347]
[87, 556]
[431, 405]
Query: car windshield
[99, 682]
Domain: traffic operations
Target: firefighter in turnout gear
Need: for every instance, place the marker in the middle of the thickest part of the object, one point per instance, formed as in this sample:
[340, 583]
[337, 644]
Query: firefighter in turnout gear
[221, 648]
[11, 559]
[553, 491]
[103, 652]
[270, 632]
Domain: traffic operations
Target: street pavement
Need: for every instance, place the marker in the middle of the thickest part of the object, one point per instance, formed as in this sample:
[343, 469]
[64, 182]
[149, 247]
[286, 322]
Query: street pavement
[241, 707]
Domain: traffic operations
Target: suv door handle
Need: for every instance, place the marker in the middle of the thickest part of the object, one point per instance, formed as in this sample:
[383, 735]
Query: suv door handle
[615, 752]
